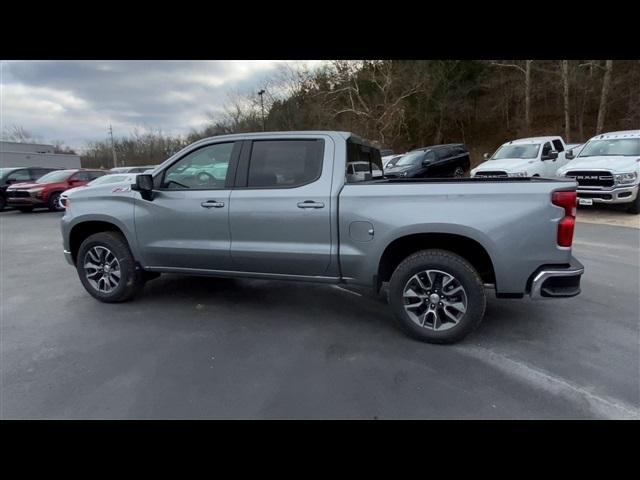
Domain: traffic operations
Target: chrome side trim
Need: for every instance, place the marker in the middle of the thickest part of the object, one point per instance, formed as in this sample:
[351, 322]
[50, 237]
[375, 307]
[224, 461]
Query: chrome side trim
[242, 274]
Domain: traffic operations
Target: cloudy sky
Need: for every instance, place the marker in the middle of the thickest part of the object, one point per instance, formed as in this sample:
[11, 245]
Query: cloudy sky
[75, 101]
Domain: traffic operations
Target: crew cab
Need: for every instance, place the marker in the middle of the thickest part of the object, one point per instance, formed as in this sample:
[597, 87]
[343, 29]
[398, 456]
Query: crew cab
[451, 160]
[286, 210]
[607, 169]
[45, 192]
[11, 175]
[526, 157]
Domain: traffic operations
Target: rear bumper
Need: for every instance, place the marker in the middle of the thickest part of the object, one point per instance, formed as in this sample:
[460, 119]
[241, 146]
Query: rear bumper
[613, 195]
[556, 282]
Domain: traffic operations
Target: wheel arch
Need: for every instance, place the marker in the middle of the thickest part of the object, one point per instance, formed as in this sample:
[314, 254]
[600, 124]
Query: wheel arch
[82, 230]
[465, 246]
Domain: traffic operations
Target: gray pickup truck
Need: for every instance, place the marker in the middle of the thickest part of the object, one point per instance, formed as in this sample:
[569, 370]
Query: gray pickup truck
[280, 206]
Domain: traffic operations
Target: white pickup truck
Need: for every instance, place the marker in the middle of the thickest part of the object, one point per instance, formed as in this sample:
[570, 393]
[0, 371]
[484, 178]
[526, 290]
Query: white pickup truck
[526, 157]
[607, 169]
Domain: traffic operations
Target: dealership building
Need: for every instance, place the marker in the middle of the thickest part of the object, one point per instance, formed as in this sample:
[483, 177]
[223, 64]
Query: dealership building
[14, 154]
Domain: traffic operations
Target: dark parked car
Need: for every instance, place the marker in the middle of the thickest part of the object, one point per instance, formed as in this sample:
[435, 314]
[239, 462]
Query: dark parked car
[11, 175]
[437, 161]
[45, 192]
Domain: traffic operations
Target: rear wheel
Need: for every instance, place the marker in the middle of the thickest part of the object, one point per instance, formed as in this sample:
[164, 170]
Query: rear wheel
[107, 268]
[437, 296]
[458, 172]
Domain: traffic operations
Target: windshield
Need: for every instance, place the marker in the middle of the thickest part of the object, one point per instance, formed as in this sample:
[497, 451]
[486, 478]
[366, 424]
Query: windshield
[57, 176]
[393, 161]
[517, 151]
[410, 159]
[5, 171]
[111, 179]
[623, 147]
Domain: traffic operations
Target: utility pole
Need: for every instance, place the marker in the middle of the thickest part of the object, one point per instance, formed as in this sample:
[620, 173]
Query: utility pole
[113, 148]
[261, 93]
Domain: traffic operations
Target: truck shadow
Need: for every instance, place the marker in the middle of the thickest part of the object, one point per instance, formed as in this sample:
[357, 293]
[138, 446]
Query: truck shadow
[267, 300]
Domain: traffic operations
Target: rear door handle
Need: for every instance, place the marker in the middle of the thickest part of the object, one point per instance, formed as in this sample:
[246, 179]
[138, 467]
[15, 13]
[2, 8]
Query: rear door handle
[310, 204]
[212, 204]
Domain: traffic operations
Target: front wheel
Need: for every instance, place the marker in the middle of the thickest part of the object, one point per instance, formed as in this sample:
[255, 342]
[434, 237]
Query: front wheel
[437, 296]
[635, 206]
[107, 268]
[3, 203]
[54, 203]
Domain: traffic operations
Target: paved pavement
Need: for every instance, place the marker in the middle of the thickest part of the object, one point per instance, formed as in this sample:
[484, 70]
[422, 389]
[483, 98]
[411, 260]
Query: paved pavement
[221, 348]
[608, 215]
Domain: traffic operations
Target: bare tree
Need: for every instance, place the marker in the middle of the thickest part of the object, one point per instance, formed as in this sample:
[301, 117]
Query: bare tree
[606, 82]
[381, 109]
[565, 84]
[17, 133]
[526, 71]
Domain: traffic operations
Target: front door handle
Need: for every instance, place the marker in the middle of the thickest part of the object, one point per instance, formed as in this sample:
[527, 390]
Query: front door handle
[310, 204]
[212, 204]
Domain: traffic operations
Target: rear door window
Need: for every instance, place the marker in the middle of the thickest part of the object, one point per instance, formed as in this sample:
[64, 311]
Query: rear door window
[366, 160]
[284, 163]
[557, 145]
[82, 176]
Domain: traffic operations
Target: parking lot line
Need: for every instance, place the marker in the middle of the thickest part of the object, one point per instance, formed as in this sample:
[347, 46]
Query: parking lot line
[603, 407]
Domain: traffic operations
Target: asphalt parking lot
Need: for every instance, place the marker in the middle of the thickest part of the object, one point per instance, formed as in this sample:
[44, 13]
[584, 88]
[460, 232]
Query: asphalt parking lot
[193, 347]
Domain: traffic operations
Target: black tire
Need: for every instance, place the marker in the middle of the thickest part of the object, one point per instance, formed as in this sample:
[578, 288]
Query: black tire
[458, 172]
[451, 264]
[3, 203]
[25, 209]
[634, 208]
[131, 281]
[54, 204]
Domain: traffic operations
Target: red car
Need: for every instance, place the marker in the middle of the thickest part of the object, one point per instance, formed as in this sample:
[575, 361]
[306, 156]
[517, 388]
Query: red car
[46, 191]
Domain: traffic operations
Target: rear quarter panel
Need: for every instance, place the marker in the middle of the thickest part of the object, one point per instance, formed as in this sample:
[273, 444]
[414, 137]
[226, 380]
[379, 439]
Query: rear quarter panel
[515, 222]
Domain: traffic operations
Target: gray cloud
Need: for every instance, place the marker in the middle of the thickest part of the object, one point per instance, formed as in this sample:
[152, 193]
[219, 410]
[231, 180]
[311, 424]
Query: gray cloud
[74, 101]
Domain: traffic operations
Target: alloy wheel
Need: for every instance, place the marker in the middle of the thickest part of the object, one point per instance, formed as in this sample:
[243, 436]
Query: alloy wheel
[102, 269]
[435, 300]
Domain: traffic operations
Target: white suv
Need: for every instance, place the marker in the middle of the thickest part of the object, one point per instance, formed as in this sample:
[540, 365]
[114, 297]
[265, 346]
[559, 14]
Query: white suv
[607, 169]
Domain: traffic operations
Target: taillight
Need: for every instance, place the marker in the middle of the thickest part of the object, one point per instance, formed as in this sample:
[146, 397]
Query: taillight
[568, 201]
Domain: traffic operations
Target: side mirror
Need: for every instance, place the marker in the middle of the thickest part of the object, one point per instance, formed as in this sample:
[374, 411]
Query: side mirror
[569, 155]
[485, 156]
[144, 185]
[11, 181]
[552, 155]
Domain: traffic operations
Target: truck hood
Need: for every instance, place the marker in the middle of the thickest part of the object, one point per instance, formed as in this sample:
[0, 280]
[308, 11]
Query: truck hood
[74, 189]
[506, 164]
[615, 164]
